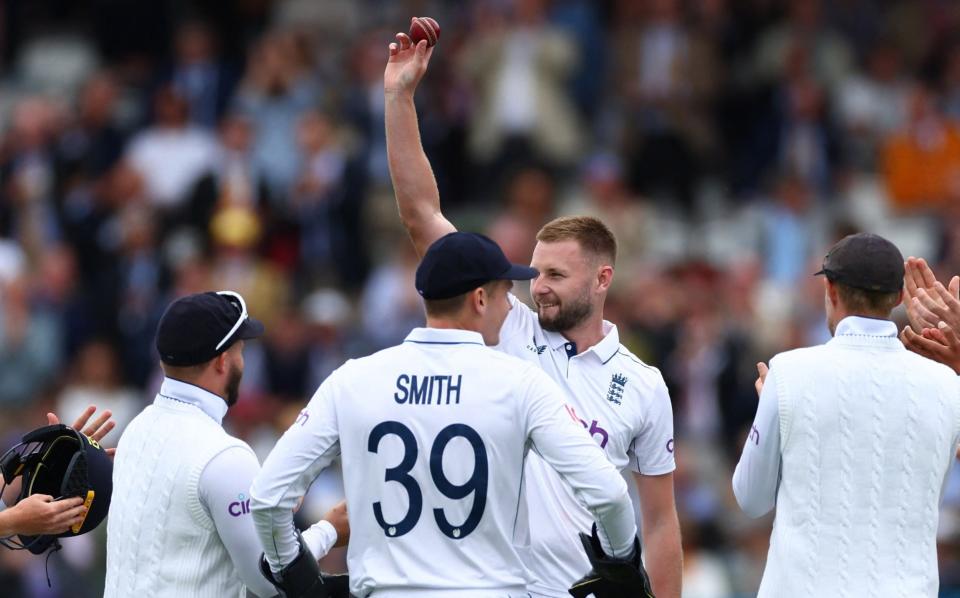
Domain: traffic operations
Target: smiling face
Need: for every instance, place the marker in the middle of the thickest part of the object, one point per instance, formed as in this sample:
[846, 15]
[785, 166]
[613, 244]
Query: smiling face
[566, 291]
[575, 257]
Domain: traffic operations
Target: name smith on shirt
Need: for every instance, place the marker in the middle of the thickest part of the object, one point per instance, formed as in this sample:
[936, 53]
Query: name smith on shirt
[428, 390]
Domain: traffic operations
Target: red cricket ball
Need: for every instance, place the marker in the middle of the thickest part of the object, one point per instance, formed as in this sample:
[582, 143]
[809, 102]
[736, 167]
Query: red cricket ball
[424, 28]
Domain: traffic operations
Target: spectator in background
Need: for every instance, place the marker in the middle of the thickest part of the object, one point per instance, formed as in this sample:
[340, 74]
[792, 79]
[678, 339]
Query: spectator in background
[199, 76]
[790, 229]
[235, 181]
[139, 274]
[666, 79]
[529, 198]
[519, 66]
[328, 319]
[58, 292]
[391, 305]
[318, 194]
[27, 202]
[171, 155]
[921, 161]
[950, 81]
[830, 56]
[605, 196]
[363, 106]
[235, 263]
[93, 141]
[95, 379]
[286, 365]
[275, 92]
[871, 103]
[803, 140]
[29, 348]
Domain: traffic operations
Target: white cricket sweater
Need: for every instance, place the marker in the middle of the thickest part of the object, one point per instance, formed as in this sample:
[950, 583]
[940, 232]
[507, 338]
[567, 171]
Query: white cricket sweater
[868, 432]
[160, 540]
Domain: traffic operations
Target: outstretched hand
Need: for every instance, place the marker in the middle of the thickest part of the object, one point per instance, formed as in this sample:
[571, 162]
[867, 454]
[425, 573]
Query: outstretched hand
[406, 66]
[96, 430]
[926, 299]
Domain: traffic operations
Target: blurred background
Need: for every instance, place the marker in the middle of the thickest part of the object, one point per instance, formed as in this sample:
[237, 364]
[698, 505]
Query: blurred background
[154, 149]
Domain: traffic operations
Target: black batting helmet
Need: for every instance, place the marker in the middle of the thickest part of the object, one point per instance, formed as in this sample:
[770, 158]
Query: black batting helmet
[61, 462]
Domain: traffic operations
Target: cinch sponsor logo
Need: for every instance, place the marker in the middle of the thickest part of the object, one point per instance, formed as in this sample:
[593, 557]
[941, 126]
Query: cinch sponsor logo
[302, 418]
[239, 507]
[593, 427]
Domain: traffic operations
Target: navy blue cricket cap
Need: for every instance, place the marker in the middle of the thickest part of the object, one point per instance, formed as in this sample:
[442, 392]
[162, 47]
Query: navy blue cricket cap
[459, 262]
[196, 328]
[865, 261]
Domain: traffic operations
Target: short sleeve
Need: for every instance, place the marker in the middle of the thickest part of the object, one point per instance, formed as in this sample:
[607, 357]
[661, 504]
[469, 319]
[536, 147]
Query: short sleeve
[651, 452]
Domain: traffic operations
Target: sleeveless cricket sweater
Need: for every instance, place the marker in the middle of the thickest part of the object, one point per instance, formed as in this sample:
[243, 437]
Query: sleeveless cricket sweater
[160, 539]
[868, 434]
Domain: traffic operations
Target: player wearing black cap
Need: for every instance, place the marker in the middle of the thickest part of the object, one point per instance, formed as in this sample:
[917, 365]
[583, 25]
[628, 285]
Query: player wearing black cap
[179, 521]
[433, 434]
[852, 443]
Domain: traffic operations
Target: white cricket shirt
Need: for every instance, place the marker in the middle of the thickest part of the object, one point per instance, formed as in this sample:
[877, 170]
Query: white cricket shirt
[433, 434]
[621, 402]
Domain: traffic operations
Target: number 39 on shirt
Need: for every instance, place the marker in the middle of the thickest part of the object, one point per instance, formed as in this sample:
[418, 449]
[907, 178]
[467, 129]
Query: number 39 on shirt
[476, 485]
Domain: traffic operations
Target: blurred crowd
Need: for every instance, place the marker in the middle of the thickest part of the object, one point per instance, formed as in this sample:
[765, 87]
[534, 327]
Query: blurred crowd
[154, 149]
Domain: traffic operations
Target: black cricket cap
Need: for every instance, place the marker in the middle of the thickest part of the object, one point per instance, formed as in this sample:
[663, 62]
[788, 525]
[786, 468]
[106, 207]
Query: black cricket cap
[459, 262]
[865, 261]
[196, 328]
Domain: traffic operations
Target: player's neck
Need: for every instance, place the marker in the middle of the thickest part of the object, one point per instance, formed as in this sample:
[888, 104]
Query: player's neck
[586, 334]
[452, 324]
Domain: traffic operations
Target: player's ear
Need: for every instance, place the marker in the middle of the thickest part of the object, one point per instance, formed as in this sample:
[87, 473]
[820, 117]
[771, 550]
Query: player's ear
[832, 293]
[480, 299]
[220, 362]
[604, 277]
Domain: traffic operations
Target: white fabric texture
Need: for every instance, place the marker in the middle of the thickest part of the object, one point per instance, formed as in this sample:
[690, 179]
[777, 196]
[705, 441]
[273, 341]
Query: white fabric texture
[867, 434]
[621, 402]
[179, 522]
[509, 406]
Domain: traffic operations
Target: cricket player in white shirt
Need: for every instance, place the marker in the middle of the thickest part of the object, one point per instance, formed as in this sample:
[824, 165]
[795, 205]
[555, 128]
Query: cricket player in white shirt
[622, 402]
[433, 435]
[179, 523]
[852, 444]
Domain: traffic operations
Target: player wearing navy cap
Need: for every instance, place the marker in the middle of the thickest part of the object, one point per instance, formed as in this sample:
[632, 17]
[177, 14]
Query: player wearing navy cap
[179, 524]
[433, 434]
[619, 400]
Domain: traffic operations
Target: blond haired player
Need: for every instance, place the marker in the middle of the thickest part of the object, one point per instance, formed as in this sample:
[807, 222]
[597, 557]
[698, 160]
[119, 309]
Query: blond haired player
[622, 402]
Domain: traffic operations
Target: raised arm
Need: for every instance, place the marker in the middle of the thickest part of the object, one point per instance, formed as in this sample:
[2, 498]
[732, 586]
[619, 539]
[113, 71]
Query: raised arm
[413, 182]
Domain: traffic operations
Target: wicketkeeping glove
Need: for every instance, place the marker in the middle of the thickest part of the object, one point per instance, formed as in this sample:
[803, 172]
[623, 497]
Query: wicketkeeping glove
[302, 577]
[610, 577]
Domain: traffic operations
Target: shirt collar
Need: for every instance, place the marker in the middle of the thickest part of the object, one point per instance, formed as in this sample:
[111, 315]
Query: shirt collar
[184, 392]
[605, 349]
[861, 326]
[444, 336]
